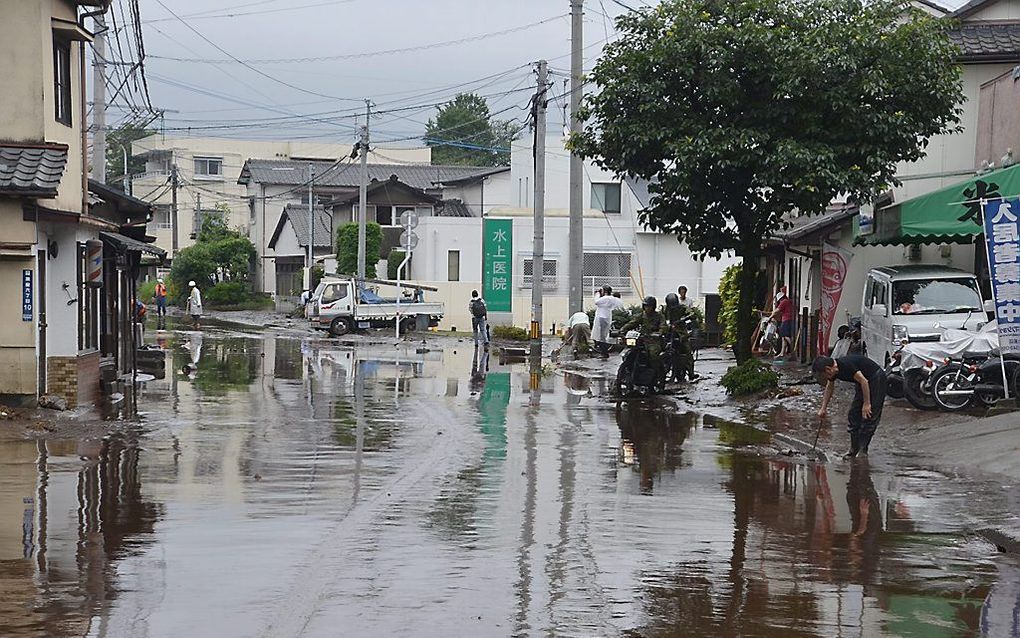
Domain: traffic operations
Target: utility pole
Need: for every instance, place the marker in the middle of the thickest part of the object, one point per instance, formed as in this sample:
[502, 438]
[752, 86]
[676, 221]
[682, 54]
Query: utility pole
[363, 192]
[575, 261]
[173, 208]
[538, 252]
[99, 99]
[311, 222]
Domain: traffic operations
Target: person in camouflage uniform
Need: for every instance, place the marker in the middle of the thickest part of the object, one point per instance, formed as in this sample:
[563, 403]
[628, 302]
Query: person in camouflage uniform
[650, 324]
[675, 315]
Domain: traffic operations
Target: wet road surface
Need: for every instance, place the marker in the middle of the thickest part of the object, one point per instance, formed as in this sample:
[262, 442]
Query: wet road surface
[284, 487]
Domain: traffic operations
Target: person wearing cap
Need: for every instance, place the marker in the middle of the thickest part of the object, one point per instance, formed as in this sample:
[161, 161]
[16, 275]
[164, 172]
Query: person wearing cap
[195, 304]
[160, 298]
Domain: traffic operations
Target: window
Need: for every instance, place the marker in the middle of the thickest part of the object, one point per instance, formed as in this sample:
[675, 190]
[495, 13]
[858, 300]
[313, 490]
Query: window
[161, 217]
[62, 82]
[453, 265]
[383, 215]
[209, 166]
[333, 292]
[606, 269]
[548, 274]
[936, 297]
[606, 197]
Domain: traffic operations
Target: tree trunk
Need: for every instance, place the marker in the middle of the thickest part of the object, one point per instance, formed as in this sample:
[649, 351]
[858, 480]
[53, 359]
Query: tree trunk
[745, 306]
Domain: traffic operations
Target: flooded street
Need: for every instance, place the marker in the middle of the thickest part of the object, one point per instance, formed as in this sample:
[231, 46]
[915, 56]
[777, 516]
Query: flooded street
[279, 487]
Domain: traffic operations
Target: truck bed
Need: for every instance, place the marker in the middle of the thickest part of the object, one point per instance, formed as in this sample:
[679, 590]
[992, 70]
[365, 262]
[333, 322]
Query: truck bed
[365, 311]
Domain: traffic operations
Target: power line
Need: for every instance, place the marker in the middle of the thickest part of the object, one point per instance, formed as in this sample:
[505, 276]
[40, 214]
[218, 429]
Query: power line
[354, 56]
[245, 64]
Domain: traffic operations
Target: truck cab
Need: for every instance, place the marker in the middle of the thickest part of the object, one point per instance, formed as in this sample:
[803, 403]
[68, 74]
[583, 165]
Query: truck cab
[915, 303]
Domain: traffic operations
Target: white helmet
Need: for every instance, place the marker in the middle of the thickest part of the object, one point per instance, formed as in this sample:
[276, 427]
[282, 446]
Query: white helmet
[192, 283]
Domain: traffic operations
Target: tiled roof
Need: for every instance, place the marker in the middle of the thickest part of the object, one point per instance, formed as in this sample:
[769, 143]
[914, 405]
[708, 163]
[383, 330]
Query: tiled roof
[348, 174]
[31, 170]
[805, 226]
[298, 216]
[988, 40]
[454, 208]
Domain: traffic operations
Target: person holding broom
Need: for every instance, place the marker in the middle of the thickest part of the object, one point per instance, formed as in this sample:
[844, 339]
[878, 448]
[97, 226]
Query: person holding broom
[866, 409]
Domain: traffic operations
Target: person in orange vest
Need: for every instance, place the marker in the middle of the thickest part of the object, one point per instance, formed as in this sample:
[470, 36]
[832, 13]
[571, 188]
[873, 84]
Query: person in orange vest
[160, 298]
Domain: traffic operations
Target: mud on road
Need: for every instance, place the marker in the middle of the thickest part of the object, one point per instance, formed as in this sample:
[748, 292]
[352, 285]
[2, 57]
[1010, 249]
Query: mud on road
[299, 486]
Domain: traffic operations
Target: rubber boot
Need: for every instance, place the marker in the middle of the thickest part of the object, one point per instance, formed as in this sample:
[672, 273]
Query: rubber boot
[855, 446]
[865, 441]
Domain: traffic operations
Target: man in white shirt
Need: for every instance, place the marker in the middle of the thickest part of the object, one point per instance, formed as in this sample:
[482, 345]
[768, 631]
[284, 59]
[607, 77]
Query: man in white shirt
[684, 299]
[605, 304]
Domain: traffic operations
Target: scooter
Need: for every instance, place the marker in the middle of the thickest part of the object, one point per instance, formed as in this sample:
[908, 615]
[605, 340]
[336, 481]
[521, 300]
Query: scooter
[768, 329]
[636, 374]
[959, 383]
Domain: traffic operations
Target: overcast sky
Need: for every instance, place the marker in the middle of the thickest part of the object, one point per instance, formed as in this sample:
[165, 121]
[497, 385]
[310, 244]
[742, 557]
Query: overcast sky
[208, 94]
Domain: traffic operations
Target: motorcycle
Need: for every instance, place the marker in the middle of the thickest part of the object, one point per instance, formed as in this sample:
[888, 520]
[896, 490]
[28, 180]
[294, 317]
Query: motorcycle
[959, 383]
[675, 371]
[636, 374]
[769, 342]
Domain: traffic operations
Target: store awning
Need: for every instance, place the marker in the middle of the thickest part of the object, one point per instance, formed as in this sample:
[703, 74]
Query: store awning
[949, 215]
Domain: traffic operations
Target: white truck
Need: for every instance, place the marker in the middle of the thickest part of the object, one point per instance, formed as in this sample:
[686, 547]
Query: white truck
[342, 304]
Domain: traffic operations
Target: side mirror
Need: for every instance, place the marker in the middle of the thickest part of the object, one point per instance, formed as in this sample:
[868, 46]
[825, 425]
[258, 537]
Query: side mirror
[880, 309]
[989, 305]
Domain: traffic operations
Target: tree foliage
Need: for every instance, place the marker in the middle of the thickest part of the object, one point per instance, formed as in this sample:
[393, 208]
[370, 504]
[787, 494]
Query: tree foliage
[347, 248]
[743, 111]
[219, 255]
[116, 140]
[466, 125]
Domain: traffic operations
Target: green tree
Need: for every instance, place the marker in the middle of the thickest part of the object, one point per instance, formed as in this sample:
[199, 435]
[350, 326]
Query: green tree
[463, 133]
[347, 248]
[116, 141]
[219, 255]
[743, 111]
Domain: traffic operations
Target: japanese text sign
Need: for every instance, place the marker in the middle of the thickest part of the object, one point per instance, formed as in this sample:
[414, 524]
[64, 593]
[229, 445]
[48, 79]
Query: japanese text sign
[497, 264]
[26, 295]
[1002, 239]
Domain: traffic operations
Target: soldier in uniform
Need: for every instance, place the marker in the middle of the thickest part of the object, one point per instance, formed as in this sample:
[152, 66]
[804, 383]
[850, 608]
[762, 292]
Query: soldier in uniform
[675, 315]
[649, 323]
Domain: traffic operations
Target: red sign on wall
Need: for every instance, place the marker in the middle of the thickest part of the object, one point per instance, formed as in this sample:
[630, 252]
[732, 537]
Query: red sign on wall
[834, 268]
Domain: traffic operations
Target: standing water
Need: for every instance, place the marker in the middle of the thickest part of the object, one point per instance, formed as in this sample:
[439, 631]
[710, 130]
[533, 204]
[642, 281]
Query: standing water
[280, 487]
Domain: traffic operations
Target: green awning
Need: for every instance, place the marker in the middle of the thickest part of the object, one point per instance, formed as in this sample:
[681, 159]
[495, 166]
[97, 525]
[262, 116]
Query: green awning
[949, 215]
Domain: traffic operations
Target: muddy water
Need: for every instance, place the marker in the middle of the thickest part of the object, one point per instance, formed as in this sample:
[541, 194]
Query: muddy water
[279, 487]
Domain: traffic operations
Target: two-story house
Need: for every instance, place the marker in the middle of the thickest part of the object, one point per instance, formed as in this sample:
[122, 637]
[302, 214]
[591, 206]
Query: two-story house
[66, 260]
[278, 192]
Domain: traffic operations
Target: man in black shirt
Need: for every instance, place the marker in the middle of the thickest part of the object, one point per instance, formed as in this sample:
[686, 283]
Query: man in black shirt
[866, 409]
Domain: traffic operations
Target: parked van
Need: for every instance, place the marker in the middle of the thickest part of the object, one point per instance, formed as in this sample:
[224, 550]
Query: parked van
[916, 303]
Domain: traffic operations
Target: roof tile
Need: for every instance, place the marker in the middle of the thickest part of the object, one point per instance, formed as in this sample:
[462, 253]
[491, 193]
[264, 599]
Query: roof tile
[295, 172]
[31, 170]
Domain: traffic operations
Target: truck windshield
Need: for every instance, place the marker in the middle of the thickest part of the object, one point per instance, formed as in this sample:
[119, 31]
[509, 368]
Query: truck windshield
[333, 292]
[935, 297]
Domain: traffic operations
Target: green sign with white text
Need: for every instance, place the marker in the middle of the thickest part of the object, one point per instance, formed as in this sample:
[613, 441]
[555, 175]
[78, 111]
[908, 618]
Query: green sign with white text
[497, 264]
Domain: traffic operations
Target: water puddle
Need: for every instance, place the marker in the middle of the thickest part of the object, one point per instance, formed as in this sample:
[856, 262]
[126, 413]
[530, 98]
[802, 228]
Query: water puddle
[279, 486]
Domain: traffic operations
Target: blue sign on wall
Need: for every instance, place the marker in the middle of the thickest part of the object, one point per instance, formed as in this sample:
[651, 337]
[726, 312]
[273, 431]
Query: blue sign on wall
[1002, 237]
[26, 295]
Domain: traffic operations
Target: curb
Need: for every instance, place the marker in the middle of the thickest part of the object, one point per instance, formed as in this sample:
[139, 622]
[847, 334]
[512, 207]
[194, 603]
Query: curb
[1005, 539]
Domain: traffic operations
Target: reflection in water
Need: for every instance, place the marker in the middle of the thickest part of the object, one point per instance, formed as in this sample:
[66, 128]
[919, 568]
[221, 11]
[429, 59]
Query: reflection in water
[76, 525]
[292, 488]
[651, 441]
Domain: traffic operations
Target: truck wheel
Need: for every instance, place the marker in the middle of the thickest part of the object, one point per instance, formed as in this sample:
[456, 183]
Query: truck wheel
[408, 325]
[340, 327]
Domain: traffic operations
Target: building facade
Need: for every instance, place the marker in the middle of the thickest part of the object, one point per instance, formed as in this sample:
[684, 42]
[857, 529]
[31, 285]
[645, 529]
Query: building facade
[618, 249]
[207, 172]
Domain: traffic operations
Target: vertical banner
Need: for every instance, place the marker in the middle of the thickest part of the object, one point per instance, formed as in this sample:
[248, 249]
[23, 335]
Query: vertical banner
[834, 268]
[27, 295]
[94, 259]
[1002, 239]
[497, 264]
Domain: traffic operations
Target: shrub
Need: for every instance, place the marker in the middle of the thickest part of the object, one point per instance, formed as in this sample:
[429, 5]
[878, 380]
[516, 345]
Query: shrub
[749, 377]
[393, 262]
[147, 292]
[226, 293]
[510, 333]
[729, 295]
[347, 249]
[318, 272]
